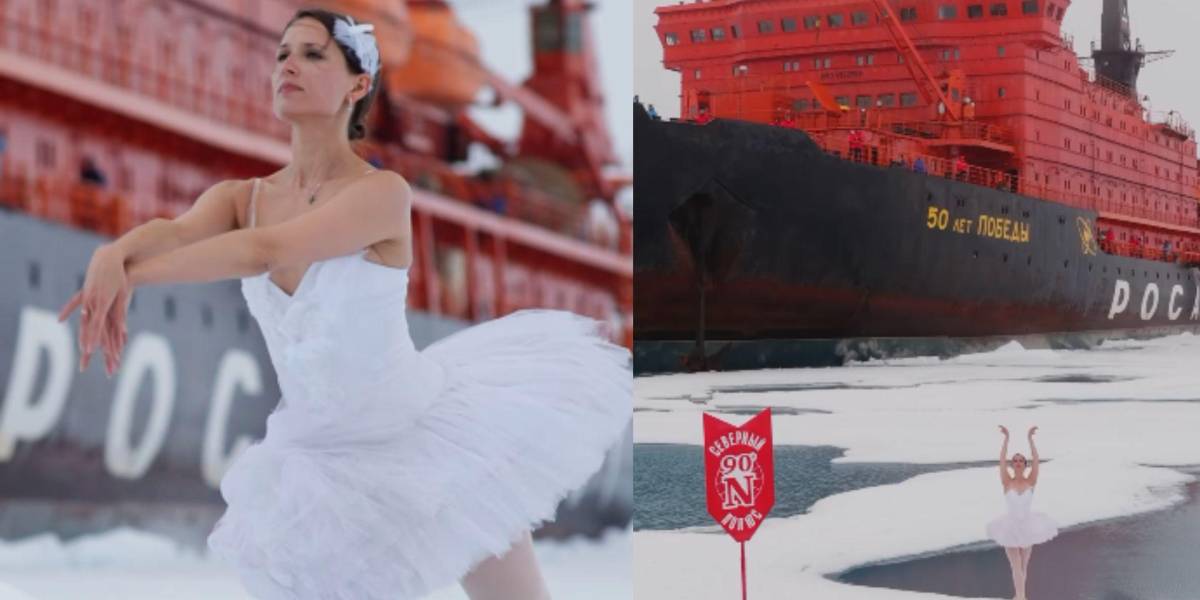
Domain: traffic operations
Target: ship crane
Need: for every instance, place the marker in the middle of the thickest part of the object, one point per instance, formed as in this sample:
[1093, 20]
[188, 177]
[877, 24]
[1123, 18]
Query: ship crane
[927, 84]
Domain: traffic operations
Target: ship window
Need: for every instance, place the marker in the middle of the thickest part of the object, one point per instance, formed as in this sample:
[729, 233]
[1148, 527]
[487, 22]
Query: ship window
[671, 39]
[800, 105]
[734, 32]
[836, 20]
[740, 70]
[974, 11]
[764, 26]
[908, 99]
[863, 101]
[842, 100]
[999, 9]
[886, 100]
[947, 12]
[1029, 7]
[45, 154]
[1000, 92]
[1000, 50]
[697, 36]
[863, 60]
[1067, 143]
[788, 24]
[718, 34]
[812, 22]
[696, 73]
[908, 14]
[858, 17]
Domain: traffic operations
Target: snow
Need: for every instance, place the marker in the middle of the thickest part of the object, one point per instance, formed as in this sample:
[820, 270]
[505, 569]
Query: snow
[127, 564]
[1112, 422]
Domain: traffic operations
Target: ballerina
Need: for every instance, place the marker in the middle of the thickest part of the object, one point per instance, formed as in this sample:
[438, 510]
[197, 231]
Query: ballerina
[385, 472]
[1020, 528]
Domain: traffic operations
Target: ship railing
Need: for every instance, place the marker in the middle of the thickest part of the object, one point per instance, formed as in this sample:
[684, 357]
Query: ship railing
[82, 205]
[1112, 86]
[877, 119]
[90, 207]
[1176, 123]
[883, 156]
[508, 197]
[1135, 250]
[967, 130]
[1067, 41]
[54, 46]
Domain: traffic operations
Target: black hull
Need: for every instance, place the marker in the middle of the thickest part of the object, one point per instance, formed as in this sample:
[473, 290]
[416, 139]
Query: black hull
[752, 232]
[80, 452]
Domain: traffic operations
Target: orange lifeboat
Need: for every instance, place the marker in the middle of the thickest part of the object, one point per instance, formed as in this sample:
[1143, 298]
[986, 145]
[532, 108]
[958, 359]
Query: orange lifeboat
[444, 65]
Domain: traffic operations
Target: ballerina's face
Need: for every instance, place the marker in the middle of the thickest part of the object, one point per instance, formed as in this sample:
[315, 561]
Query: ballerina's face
[1017, 462]
[311, 75]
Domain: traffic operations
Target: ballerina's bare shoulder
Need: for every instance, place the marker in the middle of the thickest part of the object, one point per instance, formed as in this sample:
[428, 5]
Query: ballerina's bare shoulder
[275, 204]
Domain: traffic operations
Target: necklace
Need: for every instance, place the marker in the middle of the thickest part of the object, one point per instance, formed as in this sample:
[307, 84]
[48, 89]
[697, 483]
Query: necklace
[313, 197]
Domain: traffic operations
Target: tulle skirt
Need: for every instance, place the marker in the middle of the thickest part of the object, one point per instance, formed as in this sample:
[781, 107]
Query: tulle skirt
[530, 405]
[1021, 531]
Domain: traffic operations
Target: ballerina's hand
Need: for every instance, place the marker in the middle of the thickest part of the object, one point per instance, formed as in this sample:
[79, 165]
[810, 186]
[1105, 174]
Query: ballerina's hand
[115, 331]
[1004, 430]
[1032, 430]
[105, 281]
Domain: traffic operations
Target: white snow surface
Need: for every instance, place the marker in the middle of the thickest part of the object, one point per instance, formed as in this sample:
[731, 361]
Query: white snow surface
[127, 564]
[1106, 459]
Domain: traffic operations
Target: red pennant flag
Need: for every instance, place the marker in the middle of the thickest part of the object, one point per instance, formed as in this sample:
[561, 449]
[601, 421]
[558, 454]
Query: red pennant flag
[739, 466]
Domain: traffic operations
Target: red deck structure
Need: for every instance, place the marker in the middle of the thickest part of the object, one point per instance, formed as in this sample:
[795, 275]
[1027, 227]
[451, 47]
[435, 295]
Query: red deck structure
[995, 82]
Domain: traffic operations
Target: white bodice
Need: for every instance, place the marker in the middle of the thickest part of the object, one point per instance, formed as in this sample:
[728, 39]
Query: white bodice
[1018, 503]
[342, 340]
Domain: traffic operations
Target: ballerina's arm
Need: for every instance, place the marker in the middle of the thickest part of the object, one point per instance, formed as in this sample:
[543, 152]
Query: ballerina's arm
[374, 207]
[1033, 457]
[1004, 459]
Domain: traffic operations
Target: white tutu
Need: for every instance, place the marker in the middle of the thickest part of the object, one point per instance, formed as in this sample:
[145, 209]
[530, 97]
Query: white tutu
[386, 472]
[1021, 527]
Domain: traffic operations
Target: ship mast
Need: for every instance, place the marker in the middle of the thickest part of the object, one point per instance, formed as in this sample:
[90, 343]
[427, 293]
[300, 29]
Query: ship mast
[1119, 59]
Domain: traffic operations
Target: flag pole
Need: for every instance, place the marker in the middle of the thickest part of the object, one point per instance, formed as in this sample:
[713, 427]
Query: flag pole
[743, 544]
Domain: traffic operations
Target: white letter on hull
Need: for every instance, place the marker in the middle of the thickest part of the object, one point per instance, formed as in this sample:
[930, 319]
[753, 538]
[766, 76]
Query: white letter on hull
[21, 417]
[238, 372]
[149, 354]
[1150, 287]
[1172, 312]
[1120, 299]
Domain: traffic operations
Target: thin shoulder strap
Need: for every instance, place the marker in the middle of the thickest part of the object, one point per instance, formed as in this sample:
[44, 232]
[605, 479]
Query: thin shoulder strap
[253, 198]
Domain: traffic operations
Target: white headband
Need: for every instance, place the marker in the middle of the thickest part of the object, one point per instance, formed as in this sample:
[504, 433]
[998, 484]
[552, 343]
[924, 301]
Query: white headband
[358, 37]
